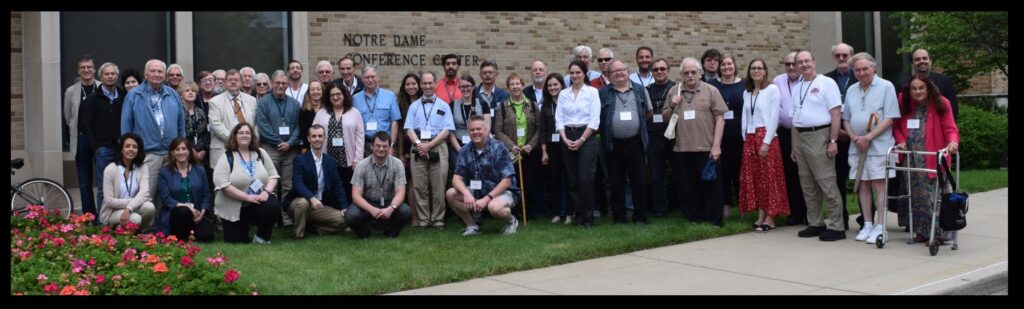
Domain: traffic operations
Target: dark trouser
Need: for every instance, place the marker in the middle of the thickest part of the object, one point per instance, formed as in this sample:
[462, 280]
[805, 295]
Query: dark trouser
[536, 204]
[700, 200]
[103, 156]
[797, 204]
[346, 178]
[658, 152]
[580, 166]
[182, 225]
[83, 164]
[264, 215]
[602, 183]
[627, 159]
[361, 221]
[842, 175]
[554, 181]
[729, 164]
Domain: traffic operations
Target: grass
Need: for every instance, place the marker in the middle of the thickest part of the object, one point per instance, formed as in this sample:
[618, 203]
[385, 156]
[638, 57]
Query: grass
[341, 264]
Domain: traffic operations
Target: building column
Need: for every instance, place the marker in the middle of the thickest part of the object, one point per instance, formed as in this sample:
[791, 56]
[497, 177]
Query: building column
[41, 56]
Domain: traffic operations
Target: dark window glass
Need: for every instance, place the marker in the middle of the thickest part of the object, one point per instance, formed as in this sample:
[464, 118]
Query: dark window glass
[858, 31]
[895, 66]
[128, 39]
[233, 40]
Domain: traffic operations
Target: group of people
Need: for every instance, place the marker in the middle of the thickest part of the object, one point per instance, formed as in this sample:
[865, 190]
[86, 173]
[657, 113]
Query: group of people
[241, 148]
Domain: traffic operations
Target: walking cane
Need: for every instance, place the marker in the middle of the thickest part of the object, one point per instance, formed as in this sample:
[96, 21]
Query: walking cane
[863, 156]
[522, 187]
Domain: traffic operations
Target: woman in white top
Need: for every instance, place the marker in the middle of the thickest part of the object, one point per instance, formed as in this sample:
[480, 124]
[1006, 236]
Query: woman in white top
[762, 183]
[577, 118]
[126, 186]
[244, 182]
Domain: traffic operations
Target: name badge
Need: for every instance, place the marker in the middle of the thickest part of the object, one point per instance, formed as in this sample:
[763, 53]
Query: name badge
[476, 184]
[521, 132]
[797, 119]
[426, 134]
[728, 115]
[465, 139]
[658, 118]
[256, 185]
[913, 123]
[371, 125]
[689, 115]
[625, 116]
[555, 138]
[283, 131]
[751, 129]
[337, 142]
[492, 113]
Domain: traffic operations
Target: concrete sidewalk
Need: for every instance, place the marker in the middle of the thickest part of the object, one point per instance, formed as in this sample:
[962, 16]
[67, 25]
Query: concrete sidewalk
[779, 262]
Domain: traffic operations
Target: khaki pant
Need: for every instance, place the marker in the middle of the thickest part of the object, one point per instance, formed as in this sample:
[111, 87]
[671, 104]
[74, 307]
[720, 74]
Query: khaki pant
[283, 164]
[143, 216]
[325, 220]
[430, 187]
[818, 179]
[153, 164]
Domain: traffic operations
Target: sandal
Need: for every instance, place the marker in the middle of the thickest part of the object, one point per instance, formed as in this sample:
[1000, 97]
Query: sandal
[767, 228]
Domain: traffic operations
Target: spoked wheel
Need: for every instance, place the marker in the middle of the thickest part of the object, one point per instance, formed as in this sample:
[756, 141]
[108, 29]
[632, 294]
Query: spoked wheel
[933, 248]
[43, 192]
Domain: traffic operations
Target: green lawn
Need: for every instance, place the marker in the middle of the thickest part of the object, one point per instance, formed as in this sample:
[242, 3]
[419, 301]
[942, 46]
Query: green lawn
[341, 264]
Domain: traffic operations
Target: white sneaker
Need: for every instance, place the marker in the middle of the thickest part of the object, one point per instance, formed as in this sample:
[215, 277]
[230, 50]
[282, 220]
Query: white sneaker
[864, 232]
[878, 230]
[556, 219]
[471, 230]
[258, 240]
[568, 220]
[510, 228]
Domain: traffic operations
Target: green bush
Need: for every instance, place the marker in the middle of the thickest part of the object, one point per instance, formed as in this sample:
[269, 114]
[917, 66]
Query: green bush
[983, 138]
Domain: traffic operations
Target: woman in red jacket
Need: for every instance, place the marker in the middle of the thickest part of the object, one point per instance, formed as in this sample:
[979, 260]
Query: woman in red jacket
[926, 125]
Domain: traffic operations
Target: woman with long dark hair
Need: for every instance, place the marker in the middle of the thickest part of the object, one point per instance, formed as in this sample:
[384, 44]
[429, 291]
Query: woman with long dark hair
[185, 195]
[126, 185]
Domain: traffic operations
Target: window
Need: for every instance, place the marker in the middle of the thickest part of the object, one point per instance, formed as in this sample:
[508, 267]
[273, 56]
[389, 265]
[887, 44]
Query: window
[233, 40]
[858, 31]
[128, 39]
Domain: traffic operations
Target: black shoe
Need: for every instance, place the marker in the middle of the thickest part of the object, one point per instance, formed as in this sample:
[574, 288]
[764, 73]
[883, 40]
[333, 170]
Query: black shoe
[860, 221]
[832, 235]
[811, 231]
[640, 222]
[795, 221]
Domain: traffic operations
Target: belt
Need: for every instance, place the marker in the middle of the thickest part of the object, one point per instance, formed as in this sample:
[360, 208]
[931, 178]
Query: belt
[574, 129]
[809, 129]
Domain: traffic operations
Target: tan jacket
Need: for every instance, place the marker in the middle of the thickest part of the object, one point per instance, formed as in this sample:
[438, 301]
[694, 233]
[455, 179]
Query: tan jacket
[222, 120]
[72, 100]
[229, 208]
[111, 187]
[505, 124]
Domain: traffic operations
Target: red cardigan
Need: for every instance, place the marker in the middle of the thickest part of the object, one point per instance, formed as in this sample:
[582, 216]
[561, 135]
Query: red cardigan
[940, 130]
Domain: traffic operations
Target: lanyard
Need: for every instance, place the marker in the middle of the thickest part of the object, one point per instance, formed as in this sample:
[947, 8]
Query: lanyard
[426, 117]
[467, 113]
[373, 108]
[803, 96]
[753, 106]
[387, 168]
[250, 166]
[281, 108]
[448, 88]
[863, 96]
[620, 97]
[128, 180]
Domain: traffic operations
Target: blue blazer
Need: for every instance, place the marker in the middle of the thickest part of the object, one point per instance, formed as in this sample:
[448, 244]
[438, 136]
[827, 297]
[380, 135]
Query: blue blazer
[169, 185]
[304, 182]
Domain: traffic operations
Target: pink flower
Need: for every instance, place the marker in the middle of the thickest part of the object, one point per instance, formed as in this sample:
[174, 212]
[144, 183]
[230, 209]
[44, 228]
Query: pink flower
[67, 228]
[58, 242]
[41, 277]
[116, 277]
[100, 279]
[68, 290]
[51, 288]
[254, 293]
[167, 290]
[216, 261]
[77, 265]
[92, 262]
[186, 261]
[160, 268]
[105, 230]
[152, 258]
[24, 255]
[231, 275]
[193, 250]
[129, 255]
[82, 292]
[83, 282]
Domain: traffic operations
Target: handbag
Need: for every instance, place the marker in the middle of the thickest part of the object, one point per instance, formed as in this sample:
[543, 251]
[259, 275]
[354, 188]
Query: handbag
[953, 210]
[670, 131]
[710, 171]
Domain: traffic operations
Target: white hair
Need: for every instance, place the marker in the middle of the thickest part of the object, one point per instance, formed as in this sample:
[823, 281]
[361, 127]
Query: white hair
[609, 50]
[323, 63]
[581, 48]
[157, 61]
[682, 65]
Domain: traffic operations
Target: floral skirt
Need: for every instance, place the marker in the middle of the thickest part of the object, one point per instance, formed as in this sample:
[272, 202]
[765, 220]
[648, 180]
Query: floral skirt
[762, 182]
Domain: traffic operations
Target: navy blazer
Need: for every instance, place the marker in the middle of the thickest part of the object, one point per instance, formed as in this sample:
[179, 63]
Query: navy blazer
[169, 185]
[304, 182]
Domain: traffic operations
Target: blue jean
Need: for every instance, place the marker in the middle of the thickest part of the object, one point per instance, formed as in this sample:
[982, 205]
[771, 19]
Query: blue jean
[83, 164]
[103, 156]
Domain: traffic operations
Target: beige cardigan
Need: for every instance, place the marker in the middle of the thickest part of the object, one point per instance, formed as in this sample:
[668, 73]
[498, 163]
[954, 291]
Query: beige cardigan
[227, 207]
[111, 187]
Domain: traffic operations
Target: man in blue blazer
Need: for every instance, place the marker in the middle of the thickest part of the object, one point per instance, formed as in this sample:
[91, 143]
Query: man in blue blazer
[317, 195]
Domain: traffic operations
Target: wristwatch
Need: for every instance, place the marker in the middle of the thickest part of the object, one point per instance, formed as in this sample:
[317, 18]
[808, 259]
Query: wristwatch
[392, 207]
[489, 196]
[832, 141]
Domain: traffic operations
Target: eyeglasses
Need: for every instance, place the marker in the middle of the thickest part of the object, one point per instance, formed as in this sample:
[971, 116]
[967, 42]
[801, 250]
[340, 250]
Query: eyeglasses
[324, 72]
[466, 87]
[690, 72]
[841, 56]
[604, 59]
[262, 84]
[376, 146]
[659, 69]
[789, 64]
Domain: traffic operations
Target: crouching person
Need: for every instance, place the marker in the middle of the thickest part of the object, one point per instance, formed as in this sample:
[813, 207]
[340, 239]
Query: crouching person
[317, 196]
[484, 179]
[378, 192]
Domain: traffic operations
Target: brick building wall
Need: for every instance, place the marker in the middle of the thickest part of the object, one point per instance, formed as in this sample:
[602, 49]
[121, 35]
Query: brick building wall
[17, 91]
[515, 39]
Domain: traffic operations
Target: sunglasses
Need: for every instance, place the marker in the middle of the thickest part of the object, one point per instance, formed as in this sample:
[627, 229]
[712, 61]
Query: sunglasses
[789, 64]
[659, 69]
[604, 59]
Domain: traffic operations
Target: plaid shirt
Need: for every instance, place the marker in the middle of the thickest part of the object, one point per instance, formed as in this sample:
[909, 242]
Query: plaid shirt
[490, 167]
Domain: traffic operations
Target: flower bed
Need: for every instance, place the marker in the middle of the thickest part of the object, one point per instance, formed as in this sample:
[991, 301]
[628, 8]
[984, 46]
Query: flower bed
[55, 256]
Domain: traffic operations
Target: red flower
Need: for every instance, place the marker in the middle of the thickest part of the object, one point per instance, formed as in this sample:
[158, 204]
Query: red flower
[167, 290]
[68, 290]
[152, 258]
[186, 261]
[51, 288]
[100, 279]
[160, 267]
[231, 275]
[193, 250]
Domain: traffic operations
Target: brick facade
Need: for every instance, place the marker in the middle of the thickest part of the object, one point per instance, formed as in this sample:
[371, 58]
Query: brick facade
[17, 91]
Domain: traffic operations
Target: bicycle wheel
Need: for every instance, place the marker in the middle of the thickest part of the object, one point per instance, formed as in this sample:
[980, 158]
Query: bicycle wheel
[40, 191]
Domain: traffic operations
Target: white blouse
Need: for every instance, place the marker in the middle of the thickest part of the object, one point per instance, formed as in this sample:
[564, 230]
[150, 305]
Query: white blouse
[582, 109]
[764, 108]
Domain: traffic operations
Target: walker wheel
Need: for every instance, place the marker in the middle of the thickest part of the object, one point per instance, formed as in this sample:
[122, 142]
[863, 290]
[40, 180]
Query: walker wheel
[933, 248]
[879, 242]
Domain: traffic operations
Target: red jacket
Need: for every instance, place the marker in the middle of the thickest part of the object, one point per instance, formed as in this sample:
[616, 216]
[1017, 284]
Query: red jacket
[940, 130]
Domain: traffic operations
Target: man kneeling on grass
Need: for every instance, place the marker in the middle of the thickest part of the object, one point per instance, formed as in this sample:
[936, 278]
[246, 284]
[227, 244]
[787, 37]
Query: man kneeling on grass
[378, 192]
[484, 178]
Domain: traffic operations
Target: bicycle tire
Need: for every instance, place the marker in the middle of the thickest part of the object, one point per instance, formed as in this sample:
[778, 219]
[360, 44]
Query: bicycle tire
[42, 191]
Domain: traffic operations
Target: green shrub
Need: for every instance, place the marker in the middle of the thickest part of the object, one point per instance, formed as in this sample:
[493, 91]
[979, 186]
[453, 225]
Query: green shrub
[983, 138]
[51, 255]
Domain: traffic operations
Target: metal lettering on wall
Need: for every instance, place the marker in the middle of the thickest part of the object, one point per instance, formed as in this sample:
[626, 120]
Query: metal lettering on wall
[397, 59]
